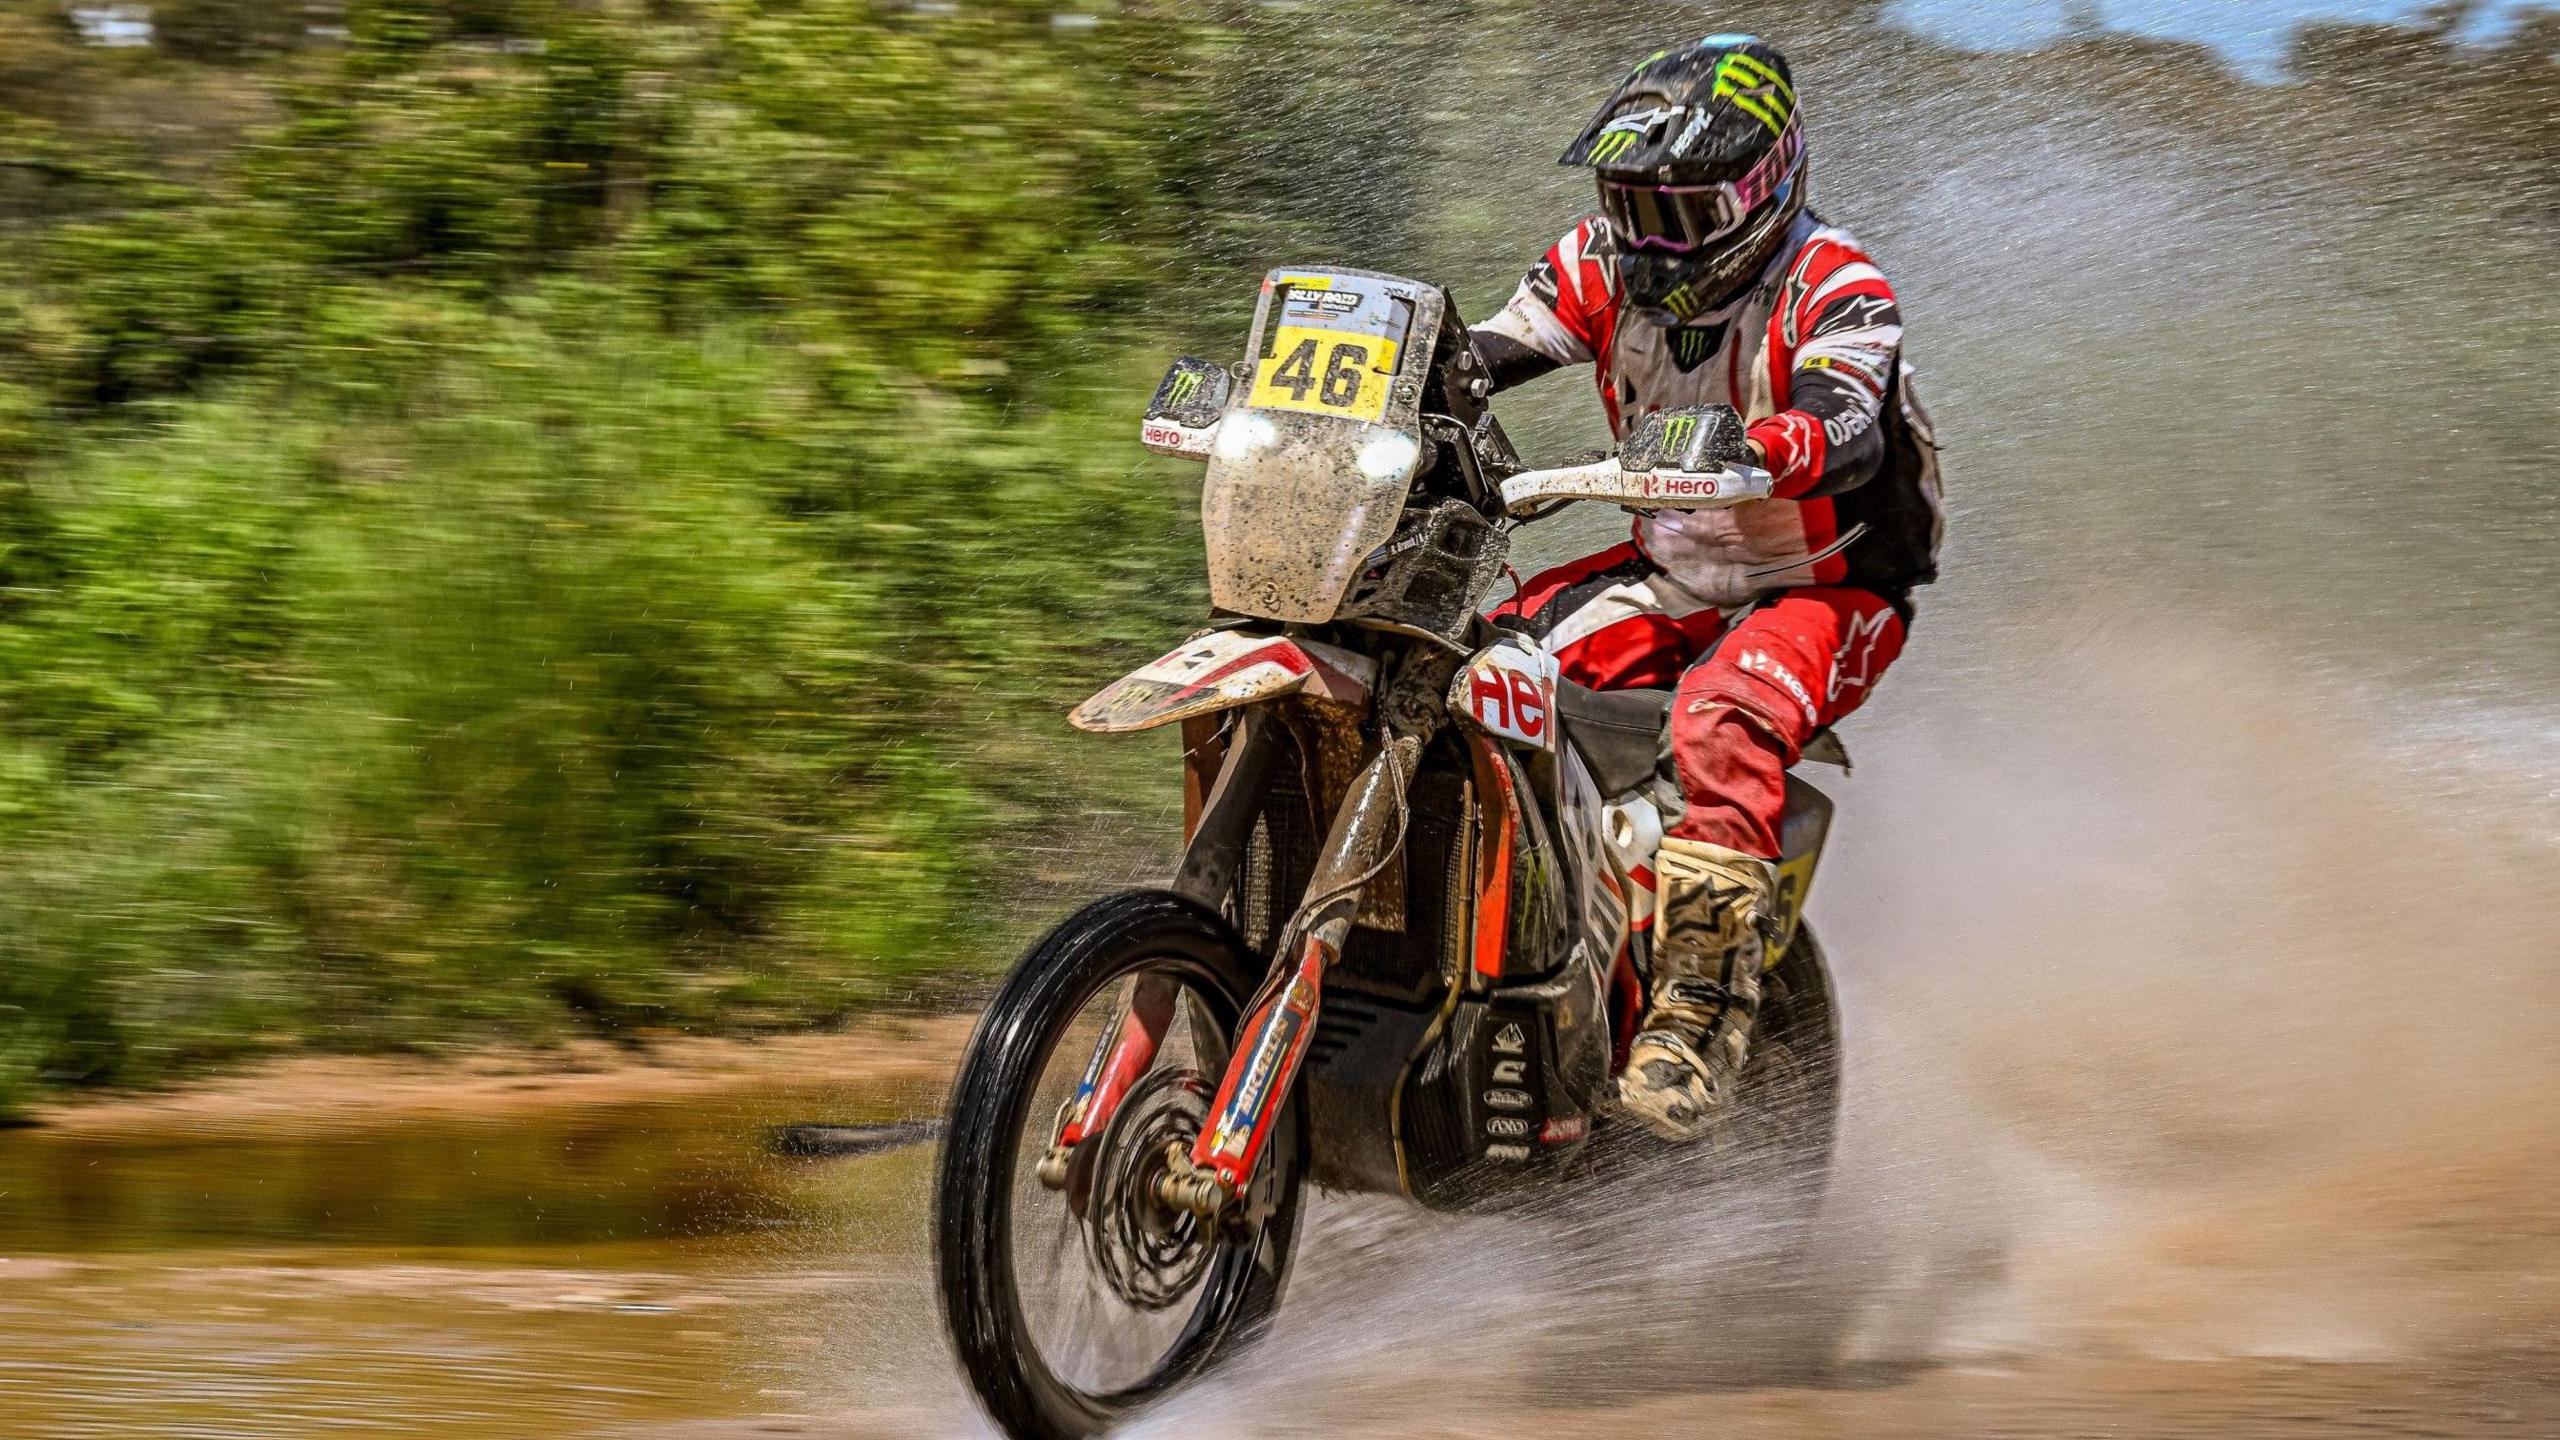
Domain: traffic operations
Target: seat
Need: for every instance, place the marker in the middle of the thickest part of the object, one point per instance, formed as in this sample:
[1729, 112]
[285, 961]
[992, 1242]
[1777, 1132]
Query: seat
[1618, 733]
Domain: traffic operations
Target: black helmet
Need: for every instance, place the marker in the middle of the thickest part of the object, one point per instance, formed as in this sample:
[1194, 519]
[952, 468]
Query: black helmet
[1701, 161]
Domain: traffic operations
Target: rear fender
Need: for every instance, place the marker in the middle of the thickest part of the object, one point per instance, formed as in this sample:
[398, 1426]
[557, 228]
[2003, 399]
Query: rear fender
[1807, 823]
[1222, 670]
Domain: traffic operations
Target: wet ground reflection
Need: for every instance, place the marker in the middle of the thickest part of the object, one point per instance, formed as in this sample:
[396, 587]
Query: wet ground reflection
[551, 1274]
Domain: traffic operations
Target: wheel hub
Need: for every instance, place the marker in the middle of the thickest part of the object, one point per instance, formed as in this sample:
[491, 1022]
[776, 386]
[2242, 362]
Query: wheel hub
[1150, 1253]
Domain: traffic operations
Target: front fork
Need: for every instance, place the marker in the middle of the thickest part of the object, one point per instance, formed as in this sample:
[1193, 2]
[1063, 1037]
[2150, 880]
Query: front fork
[1128, 1048]
[1207, 873]
[1366, 833]
[1208, 1179]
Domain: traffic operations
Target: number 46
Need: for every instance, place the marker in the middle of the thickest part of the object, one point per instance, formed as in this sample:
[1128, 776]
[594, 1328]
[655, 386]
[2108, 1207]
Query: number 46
[1341, 386]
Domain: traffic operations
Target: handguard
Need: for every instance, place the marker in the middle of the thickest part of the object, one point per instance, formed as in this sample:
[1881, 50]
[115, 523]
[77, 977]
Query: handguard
[1694, 458]
[1611, 481]
[1182, 419]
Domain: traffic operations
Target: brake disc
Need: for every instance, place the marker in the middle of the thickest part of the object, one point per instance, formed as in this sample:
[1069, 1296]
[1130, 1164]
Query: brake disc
[1150, 1253]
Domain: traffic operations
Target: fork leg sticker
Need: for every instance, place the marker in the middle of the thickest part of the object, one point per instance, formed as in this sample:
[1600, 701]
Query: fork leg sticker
[1124, 1054]
[1248, 1102]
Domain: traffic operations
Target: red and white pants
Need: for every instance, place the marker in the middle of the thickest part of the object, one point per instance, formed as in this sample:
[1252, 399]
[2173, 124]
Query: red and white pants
[1750, 692]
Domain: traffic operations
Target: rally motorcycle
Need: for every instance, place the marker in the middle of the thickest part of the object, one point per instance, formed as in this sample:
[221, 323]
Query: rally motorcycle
[1406, 945]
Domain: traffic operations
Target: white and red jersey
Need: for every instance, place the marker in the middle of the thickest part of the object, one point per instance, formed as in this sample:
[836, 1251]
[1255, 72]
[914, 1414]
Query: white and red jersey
[1810, 353]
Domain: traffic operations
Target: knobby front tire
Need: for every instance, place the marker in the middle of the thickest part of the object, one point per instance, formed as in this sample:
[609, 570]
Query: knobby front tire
[993, 1119]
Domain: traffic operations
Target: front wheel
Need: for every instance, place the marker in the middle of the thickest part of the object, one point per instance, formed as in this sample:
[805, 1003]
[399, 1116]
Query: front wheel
[1075, 1299]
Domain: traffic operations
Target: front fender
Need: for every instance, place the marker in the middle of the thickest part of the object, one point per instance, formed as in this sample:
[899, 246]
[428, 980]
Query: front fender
[1220, 671]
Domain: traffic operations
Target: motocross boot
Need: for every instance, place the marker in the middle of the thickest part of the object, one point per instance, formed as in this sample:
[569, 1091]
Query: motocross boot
[1710, 941]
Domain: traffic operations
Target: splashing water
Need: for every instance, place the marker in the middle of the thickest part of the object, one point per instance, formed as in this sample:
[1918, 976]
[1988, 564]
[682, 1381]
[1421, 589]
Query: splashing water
[2193, 905]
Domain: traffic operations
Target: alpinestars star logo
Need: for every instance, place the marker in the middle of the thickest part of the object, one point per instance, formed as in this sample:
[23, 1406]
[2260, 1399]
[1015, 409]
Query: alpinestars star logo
[1856, 661]
[1621, 136]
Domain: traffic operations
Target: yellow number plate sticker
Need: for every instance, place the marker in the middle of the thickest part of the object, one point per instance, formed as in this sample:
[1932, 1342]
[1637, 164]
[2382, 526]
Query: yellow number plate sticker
[1332, 347]
[1325, 372]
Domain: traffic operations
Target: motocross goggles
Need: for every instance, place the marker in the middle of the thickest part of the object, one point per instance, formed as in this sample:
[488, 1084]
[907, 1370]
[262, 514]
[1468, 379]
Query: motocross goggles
[1681, 218]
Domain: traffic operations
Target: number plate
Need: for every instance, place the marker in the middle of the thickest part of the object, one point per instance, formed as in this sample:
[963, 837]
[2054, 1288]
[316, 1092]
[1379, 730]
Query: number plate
[1330, 348]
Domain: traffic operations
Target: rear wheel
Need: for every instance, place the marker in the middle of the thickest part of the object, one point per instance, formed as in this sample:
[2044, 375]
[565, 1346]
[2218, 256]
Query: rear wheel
[1784, 1136]
[1789, 1118]
[1071, 1304]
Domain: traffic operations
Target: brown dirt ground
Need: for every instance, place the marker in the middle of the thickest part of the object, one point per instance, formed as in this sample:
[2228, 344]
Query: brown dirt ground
[337, 1092]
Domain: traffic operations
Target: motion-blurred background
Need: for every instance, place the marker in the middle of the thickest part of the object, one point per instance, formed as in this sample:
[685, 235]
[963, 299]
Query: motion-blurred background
[523, 520]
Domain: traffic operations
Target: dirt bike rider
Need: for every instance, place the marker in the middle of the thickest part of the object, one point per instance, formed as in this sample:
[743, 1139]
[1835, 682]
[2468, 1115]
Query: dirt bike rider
[1706, 280]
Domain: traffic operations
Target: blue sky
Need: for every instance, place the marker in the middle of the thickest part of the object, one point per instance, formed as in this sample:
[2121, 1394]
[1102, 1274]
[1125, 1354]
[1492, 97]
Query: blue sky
[2255, 36]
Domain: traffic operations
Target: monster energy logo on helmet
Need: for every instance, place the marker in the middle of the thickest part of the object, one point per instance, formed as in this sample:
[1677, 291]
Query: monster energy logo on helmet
[1712, 106]
[1701, 157]
[1756, 88]
[1184, 385]
[1611, 145]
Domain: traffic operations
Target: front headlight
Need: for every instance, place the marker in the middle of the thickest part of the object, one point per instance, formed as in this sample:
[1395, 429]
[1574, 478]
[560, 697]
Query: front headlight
[1242, 434]
[1387, 457]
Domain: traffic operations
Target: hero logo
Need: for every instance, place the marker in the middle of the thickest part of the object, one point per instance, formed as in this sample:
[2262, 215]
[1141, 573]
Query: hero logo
[1174, 440]
[1758, 662]
[1512, 693]
[1683, 484]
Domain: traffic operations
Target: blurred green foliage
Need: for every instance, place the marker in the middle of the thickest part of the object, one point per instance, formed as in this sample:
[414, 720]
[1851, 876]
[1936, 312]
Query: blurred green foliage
[549, 514]
[545, 513]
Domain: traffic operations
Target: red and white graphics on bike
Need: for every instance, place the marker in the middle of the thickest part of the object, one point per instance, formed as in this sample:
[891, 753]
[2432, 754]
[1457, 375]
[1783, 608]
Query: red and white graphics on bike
[1221, 670]
[1509, 689]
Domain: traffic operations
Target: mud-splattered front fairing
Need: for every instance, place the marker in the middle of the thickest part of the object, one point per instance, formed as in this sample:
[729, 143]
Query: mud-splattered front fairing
[1308, 472]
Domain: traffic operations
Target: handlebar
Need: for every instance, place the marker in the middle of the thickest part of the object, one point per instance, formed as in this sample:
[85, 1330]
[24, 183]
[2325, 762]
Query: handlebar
[1525, 492]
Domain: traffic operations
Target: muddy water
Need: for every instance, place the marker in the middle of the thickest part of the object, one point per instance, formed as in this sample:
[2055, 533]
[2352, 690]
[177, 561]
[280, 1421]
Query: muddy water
[2195, 900]
[2193, 903]
[557, 1272]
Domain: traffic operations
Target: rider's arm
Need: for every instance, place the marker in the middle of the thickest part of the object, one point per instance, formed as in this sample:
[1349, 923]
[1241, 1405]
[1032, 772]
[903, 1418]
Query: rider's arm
[1830, 439]
[1553, 319]
[1507, 362]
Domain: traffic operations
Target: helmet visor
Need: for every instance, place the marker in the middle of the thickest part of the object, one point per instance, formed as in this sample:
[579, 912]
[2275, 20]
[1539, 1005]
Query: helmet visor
[1680, 218]
[1677, 218]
